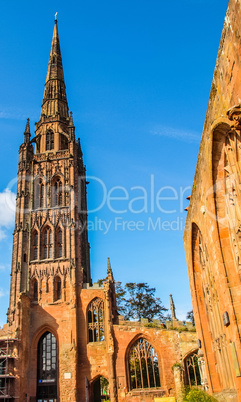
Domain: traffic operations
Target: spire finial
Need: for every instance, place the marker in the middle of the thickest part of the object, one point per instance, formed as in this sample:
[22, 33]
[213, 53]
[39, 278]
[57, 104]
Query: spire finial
[172, 308]
[109, 271]
[55, 100]
[55, 16]
[71, 123]
[27, 134]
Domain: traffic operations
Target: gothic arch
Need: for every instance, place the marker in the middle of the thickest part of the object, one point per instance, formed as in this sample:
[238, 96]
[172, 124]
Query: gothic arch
[58, 288]
[192, 374]
[59, 241]
[63, 141]
[215, 342]
[57, 191]
[142, 364]
[39, 192]
[97, 385]
[35, 244]
[34, 289]
[49, 140]
[47, 242]
[95, 320]
[226, 168]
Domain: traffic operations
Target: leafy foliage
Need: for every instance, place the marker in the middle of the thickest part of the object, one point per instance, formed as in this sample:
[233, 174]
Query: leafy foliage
[196, 394]
[190, 317]
[137, 300]
[141, 302]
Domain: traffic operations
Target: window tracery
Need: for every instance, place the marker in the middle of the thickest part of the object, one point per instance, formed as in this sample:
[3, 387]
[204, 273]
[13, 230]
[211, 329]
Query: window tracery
[39, 194]
[35, 245]
[192, 372]
[47, 243]
[49, 140]
[143, 365]
[96, 320]
[57, 193]
[211, 305]
[47, 368]
[59, 245]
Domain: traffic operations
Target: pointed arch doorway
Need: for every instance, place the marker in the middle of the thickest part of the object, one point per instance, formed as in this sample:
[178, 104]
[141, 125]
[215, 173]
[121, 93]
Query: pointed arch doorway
[100, 390]
[47, 368]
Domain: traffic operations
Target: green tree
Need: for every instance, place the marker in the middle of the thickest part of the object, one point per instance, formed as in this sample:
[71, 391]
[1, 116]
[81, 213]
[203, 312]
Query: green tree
[190, 317]
[139, 301]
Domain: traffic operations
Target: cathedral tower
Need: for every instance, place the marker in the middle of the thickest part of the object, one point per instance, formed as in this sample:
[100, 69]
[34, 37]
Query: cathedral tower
[50, 262]
[50, 236]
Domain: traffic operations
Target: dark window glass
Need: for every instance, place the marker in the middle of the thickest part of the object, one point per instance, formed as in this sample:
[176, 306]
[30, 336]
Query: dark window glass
[47, 368]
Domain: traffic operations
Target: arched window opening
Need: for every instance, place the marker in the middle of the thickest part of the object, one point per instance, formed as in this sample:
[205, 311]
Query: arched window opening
[205, 285]
[100, 390]
[192, 372]
[49, 140]
[48, 243]
[47, 368]
[143, 366]
[96, 321]
[57, 288]
[35, 245]
[57, 194]
[35, 290]
[39, 194]
[59, 244]
[63, 142]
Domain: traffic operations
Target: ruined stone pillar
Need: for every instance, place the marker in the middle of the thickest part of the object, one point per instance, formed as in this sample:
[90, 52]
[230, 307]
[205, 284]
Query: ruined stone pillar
[177, 371]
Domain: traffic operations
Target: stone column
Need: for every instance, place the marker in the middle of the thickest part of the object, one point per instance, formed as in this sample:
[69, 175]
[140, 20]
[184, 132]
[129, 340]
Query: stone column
[177, 371]
[202, 369]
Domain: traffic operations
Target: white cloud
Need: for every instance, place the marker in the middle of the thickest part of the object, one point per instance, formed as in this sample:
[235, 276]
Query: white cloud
[3, 292]
[4, 267]
[7, 209]
[177, 134]
[7, 212]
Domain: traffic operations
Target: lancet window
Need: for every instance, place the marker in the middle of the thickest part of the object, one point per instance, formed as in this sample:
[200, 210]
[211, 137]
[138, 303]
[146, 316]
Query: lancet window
[59, 245]
[47, 243]
[192, 372]
[96, 320]
[143, 365]
[57, 193]
[205, 284]
[49, 140]
[39, 194]
[34, 242]
[57, 288]
[47, 368]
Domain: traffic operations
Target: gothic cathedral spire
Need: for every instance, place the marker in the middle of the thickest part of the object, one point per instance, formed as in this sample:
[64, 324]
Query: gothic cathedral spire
[55, 100]
[50, 248]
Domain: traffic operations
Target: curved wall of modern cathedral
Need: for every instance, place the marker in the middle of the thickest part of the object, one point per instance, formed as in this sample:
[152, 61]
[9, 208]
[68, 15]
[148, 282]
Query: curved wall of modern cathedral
[212, 235]
[64, 340]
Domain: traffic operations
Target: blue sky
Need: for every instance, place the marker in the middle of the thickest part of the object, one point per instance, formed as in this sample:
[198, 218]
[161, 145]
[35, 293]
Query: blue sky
[138, 76]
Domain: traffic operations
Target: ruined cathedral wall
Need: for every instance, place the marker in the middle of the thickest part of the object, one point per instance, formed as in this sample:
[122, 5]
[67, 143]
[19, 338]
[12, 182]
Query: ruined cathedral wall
[209, 242]
[93, 361]
[171, 347]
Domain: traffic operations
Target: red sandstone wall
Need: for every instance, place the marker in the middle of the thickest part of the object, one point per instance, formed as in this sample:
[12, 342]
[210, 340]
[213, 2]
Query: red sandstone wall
[225, 93]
